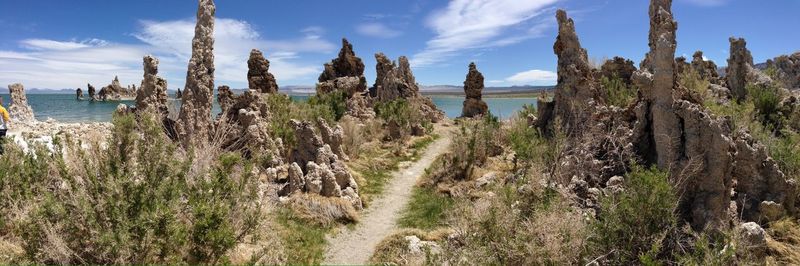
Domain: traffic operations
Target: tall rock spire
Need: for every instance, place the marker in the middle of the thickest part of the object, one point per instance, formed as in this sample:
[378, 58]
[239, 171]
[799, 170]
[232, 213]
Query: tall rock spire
[194, 121]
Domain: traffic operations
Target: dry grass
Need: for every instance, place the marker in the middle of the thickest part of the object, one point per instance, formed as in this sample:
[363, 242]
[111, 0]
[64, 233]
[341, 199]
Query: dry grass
[393, 250]
[323, 211]
[784, 244]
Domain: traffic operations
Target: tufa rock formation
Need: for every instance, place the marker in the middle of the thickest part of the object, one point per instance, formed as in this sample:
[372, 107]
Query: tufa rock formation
[344, 73]
[258, 76]
[115, 91]
[707, 69]
[396, 81]
[719, 173]
[739, 65]
[787, 70]
[576, 85]
[225, 98]
[194, 121]
[473, 88]
[316, 168]
[247, 118]
[78, 94]
[178, 94]
[92, 92]
[18, 109]
[153, 91]
[618, 67]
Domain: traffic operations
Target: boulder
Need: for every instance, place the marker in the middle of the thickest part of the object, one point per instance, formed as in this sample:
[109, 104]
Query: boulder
[79, 94]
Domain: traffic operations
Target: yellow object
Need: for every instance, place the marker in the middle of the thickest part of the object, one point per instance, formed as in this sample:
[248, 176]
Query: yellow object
[4, 114]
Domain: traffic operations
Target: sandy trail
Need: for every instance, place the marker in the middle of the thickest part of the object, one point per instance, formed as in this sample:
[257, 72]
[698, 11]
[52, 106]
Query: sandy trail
[357, 245]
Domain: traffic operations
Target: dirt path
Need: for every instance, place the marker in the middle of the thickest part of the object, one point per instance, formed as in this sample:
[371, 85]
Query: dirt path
[357, 245]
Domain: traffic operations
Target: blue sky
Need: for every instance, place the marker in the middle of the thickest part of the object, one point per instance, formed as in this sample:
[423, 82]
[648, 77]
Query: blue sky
[65, 44]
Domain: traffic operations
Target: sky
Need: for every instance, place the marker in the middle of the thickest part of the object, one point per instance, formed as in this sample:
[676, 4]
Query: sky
[55, 44]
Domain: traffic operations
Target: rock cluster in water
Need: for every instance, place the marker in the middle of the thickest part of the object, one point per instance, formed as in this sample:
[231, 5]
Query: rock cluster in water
[18, 108]
[473, 88]
[78, 94]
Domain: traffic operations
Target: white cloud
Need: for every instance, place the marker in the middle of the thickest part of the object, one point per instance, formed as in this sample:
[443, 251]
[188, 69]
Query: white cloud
[533, 77]
[471, 24]
[44, 63]
[378, 30]
[707, 3]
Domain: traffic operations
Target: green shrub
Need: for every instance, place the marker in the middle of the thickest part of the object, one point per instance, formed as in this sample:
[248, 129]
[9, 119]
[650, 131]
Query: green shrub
[633, 224]
[335, 102]
[697, 86]
[283, 109]
[767, 101]
[472, 145]
[142, 200]
[617, 92]
[531, 146]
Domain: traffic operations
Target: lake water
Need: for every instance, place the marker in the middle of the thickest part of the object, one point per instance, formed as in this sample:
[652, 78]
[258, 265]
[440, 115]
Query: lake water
[64, 107]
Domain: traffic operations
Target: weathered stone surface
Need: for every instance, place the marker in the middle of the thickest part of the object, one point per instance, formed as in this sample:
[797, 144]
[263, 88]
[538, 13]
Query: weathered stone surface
[758, 179]
[194, 121]
[225, 98]
[246, 118]
[754, 239]
[576, 85]
[308, 144]
[258, 76]
[178, 94]
[316, 167]
[787, 70]
[333, 137]
[709, 164]
[473, 88]
[92, 92]
[739, 65]
[153, 91]
[18, 108]
[79, 94]
[346, 65]
[359, 106]
[707, 69]
[396, 81]
[344, 73]
[618, 67]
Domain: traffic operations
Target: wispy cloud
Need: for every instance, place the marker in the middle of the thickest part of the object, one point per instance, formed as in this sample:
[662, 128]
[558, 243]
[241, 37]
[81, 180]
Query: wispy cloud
[473, 24]
[533, 77]
[46, 63]
[378, 30]
[707, 3]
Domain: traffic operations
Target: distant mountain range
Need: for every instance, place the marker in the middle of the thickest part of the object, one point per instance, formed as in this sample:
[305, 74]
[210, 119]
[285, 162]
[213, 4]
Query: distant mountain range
[308, 90]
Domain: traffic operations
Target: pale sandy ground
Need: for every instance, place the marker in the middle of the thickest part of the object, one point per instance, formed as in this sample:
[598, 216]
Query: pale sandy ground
[26, 134]
[357, 245]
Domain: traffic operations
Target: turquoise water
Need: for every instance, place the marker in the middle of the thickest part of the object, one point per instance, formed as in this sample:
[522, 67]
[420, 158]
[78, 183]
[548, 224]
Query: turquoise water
[64, 107]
